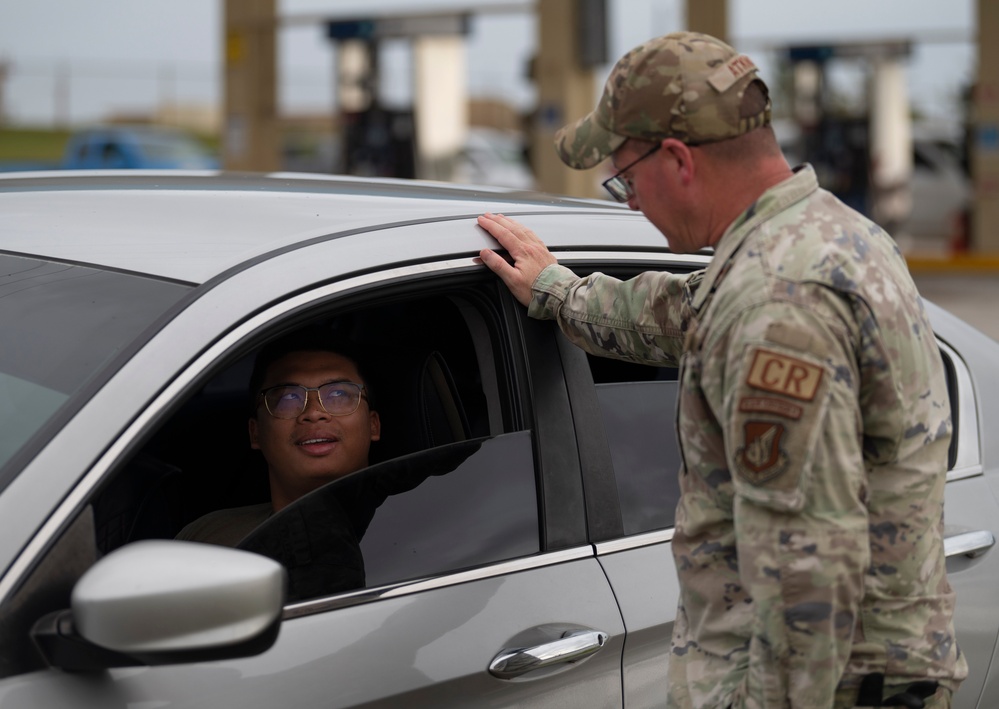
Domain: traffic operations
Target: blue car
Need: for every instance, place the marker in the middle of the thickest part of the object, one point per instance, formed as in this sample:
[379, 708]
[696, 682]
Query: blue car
[135, 147]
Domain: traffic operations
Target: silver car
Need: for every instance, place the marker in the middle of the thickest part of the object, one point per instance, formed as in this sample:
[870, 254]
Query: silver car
[529, 566]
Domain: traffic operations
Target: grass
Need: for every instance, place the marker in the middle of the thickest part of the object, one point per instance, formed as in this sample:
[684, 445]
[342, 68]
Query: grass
[30, 144]
[47, 145]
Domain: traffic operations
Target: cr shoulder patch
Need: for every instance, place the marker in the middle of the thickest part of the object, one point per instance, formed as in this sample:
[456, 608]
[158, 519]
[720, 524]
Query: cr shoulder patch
[761, 457]
[778, 373]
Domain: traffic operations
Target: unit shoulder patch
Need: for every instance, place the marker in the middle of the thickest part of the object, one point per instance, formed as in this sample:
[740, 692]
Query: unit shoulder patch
[782, 374]
[761, 458]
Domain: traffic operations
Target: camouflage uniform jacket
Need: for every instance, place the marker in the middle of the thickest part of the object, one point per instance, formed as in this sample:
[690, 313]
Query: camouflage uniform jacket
[814, 425]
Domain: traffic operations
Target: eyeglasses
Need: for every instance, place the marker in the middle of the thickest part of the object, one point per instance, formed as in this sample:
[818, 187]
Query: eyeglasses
[289, 401]
[620, 187]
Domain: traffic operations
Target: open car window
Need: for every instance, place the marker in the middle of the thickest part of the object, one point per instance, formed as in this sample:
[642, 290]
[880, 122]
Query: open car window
[439, 375]
[456, 454]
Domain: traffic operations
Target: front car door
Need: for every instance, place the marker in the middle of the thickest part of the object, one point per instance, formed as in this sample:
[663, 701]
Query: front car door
[472, 575]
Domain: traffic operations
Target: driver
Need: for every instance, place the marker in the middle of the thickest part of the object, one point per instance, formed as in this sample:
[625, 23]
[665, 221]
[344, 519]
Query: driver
[311, 418]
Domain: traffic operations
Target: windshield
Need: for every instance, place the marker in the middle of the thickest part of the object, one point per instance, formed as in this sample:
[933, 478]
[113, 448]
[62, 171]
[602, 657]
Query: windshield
[61, 325]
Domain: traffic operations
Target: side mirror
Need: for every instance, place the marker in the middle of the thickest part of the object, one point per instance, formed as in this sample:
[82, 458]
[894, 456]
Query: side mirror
[166, 602]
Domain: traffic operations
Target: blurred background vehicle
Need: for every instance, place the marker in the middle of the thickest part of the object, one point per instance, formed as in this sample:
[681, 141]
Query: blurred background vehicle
[941, 191]
[105, 146]
[135, 147]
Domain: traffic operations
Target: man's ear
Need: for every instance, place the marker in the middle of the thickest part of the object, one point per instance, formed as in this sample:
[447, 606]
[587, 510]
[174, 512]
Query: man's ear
[682, 159]
[254, 433]
[376, 425]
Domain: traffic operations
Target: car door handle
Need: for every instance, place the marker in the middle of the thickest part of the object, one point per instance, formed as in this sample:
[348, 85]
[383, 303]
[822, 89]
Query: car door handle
[970, 544]
[570, 647]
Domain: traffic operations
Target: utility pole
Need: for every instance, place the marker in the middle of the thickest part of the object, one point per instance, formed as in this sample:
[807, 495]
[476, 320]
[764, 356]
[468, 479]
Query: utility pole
[251, 135]
[709, 17]
[566, 90]
[4, 73]
[984, 134]
[63, 89]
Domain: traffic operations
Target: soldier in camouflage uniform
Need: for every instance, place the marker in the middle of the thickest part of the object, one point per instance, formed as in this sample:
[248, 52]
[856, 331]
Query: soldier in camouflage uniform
[813, 417]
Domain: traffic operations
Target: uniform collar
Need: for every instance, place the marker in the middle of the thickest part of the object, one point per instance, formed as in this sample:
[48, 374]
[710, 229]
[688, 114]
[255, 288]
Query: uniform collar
[776, 199]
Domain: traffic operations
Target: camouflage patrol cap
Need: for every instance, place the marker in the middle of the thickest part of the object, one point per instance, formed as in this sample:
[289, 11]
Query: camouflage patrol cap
[684, 85]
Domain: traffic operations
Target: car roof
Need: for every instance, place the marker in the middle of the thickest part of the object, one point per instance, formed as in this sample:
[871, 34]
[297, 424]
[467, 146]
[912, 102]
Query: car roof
[190, 226]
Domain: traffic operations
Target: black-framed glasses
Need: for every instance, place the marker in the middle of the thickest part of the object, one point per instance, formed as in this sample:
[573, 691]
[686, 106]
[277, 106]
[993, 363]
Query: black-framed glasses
[289, 401]
[618, 186]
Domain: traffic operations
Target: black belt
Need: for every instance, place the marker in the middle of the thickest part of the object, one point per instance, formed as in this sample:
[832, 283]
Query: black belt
[912, 697]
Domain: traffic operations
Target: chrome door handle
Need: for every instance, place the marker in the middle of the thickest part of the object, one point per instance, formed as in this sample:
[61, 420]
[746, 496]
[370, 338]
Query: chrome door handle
[970, 544]
[570, 647]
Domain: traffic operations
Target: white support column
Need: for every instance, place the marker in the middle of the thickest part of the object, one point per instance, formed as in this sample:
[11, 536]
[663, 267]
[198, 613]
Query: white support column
[891, 144]
[441, 103]
[353, 68]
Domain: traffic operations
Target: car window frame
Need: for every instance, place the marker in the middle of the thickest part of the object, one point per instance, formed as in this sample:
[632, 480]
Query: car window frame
[562, 536]
[604, 514]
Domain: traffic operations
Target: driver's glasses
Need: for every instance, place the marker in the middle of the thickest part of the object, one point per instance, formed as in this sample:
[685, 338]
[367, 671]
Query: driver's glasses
[619, 186]
[288, 401]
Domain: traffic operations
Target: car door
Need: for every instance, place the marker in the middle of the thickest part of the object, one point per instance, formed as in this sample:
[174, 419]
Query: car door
[971, 510]
[628, 413]
[482, 588]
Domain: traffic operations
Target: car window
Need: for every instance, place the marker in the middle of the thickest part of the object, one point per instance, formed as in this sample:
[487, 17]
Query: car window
[638, 409]
[963, 450]
[100, 312]
[637, 406]
[453, 484]
[436, 369]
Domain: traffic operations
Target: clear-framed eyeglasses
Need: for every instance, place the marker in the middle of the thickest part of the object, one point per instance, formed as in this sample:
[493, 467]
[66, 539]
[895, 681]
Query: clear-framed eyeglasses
[289, 401]
[620, 186]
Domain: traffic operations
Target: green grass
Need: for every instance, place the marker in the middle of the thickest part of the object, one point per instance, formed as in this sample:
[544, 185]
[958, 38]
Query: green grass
[32, 144]
[40, 144]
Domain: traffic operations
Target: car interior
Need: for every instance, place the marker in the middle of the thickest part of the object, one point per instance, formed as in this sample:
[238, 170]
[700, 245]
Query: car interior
[427, 387]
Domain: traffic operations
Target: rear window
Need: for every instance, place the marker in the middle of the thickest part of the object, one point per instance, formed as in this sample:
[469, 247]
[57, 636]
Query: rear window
[62, 325]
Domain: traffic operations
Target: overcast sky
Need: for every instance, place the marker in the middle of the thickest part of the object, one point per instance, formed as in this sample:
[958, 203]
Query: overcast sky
[129, 55]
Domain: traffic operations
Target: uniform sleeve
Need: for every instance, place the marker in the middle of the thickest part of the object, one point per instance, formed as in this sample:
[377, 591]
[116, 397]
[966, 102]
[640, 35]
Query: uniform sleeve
[794, 447]
[639, 320]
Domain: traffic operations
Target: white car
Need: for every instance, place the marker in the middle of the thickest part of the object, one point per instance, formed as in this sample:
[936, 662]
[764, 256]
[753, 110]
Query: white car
[529, 566]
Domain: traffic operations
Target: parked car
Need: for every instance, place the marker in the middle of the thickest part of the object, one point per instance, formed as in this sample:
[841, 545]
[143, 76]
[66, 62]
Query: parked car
[537, 572]
[113, 147]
